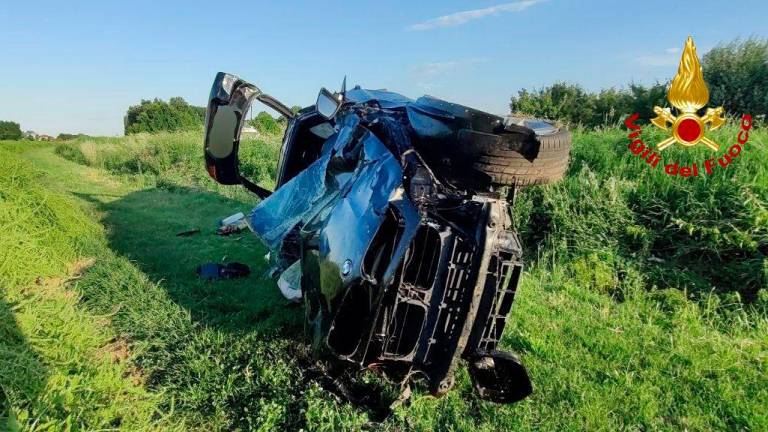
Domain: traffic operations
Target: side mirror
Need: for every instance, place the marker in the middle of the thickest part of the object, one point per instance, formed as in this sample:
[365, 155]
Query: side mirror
[327, 104]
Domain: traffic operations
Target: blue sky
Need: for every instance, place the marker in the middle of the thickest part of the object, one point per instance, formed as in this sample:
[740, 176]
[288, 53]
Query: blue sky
[76, 66]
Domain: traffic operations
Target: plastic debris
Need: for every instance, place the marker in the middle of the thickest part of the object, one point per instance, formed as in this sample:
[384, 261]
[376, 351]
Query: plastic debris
[232, 224]
[290, 282]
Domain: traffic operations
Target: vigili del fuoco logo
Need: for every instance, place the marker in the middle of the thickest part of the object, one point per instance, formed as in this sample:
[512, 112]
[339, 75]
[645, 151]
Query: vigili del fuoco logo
[688, 94]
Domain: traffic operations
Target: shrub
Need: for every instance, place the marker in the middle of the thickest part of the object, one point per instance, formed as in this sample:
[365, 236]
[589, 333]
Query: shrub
[571, 104]
[67, 136]
[73, 153]
[700, 235]
[563, 101]
[265, 123]
[10, 130]
[161, 116]
[737, 75]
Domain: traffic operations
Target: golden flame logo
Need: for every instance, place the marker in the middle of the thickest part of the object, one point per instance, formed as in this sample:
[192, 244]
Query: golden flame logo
[688, 93]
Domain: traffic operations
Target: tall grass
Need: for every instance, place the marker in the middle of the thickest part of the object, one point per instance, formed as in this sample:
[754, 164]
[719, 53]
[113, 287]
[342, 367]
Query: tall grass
[170, 159]
[613, 212]
[42, 232]
[57, 368]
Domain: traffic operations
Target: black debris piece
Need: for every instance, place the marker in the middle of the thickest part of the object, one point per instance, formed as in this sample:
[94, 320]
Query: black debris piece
[215, 271]
[188, 233]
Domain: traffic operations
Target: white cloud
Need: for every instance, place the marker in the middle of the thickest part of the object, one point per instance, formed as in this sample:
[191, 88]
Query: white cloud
[669, 57]
[429, 76]
[666, 58]
[427, 70]
[657, 60]
[459, 18]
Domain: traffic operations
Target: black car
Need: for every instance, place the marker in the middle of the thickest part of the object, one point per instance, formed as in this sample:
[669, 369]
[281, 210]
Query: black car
[396, 215]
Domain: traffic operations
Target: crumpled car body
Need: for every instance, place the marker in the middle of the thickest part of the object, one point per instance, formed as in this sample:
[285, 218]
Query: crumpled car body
[409, 261]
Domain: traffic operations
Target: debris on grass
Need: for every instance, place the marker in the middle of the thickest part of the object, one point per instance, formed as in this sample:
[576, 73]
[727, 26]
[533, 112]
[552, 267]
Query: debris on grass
[232, 224]
[215, 271]
[188, 233]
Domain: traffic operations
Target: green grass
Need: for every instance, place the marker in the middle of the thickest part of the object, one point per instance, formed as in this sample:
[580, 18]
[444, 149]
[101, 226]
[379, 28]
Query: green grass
[693, 234]
[170, 160]
[643, 306]
[61, 368]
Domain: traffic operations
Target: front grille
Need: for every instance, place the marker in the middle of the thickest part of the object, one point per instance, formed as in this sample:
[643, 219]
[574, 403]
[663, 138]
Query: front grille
[415, 285]
[454, 296]
[503, 275]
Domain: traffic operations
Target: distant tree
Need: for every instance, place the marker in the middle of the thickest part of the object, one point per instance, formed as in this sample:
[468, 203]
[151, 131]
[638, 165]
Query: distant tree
[641, 100]
[283, 121]
[571, 104]
[67, 136]
[157, 116]
[737, 76]
[181, 104]
[265, 123]
[561, 101]
[10, 130]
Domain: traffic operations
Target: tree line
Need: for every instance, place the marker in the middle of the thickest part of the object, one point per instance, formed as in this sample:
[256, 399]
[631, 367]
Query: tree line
[735, 72]
[176, 115]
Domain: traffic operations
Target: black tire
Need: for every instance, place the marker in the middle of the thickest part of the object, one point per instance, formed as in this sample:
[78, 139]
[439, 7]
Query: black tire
[507, 167]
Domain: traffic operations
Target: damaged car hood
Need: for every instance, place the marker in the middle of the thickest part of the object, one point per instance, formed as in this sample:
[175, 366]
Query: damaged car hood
[356, 178]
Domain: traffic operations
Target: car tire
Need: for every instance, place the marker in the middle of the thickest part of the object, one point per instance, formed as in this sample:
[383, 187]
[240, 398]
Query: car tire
[509, 168]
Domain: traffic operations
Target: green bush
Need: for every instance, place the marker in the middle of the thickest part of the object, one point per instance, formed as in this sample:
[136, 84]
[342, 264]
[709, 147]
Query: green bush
[67, 136]
[573, 105]
[737, 75]
[699, 235]
[161, 116]
[10, 131]
[73, 153]
[265, 123]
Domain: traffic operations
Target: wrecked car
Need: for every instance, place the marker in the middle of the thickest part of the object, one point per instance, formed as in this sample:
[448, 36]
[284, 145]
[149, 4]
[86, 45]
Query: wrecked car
[391, 221]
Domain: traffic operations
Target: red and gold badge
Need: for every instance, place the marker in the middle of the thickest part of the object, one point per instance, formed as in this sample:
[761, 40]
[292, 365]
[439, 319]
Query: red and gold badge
[688, 93]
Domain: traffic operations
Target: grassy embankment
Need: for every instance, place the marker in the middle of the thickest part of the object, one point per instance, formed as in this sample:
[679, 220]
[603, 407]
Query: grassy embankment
[643, 307]
[61, 366]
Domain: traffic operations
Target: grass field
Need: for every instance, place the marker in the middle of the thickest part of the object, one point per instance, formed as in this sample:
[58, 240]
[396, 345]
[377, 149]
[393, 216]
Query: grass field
[644, 306]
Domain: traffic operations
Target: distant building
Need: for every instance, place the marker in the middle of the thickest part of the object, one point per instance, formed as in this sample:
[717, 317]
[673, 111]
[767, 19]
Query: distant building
[29, 135]
[44, 137]
[250, 131]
